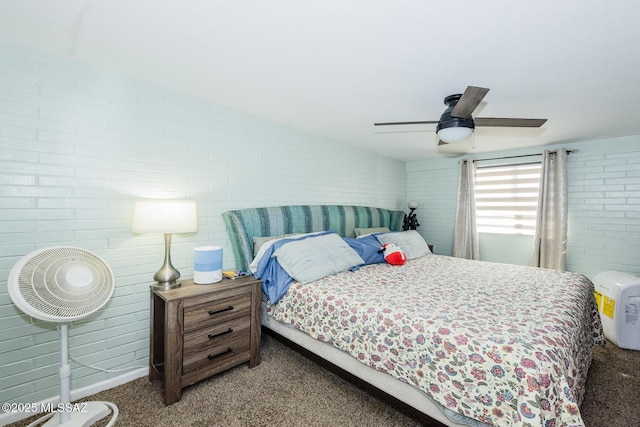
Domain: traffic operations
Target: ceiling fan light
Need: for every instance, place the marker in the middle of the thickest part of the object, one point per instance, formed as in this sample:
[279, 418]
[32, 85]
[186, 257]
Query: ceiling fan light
[454, 134]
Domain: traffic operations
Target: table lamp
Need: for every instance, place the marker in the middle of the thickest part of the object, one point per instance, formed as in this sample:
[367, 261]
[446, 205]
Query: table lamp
[167, 217]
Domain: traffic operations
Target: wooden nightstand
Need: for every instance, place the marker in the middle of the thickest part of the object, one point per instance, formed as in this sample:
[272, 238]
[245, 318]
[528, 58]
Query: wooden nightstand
[200, 330]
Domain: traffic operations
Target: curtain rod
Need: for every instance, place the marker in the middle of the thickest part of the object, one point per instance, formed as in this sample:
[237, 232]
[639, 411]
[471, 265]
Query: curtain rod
[516, 157]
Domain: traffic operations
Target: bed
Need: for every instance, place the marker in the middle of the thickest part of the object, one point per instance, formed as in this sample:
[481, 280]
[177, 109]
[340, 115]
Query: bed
[462, 342]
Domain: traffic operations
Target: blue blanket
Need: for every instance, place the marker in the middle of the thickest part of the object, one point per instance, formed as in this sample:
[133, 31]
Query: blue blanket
[275, 280]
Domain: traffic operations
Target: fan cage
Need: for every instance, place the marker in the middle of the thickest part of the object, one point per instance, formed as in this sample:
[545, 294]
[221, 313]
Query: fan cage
[61, 283]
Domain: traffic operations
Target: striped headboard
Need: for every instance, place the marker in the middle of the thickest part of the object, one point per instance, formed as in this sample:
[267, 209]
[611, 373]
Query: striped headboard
[245, 224]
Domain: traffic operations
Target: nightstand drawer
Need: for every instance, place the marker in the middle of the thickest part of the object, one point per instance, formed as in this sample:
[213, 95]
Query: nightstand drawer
[216, 311]
[212, 336]
[234, 347]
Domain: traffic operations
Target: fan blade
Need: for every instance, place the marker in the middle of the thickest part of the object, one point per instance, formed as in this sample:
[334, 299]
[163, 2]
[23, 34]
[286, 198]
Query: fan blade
[405, 123]
[441, 142]
[507, 122]
[470, 99]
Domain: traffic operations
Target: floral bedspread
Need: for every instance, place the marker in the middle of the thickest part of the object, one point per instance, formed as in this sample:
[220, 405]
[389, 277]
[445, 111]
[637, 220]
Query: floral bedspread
[503, 344]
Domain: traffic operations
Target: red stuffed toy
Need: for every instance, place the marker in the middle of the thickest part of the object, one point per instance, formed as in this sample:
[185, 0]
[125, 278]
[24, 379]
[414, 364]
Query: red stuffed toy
[393, 254]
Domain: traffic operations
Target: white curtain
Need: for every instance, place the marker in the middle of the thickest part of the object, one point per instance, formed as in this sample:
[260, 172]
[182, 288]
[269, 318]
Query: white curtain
[465, 234]
[550, 242]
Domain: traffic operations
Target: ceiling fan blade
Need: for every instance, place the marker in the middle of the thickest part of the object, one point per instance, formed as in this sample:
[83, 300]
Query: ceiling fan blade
[509, 122]
[405, 123]
[470, 99]
[441, 142]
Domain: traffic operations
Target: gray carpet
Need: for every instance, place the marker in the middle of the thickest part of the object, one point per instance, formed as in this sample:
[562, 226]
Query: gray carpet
[287, 389]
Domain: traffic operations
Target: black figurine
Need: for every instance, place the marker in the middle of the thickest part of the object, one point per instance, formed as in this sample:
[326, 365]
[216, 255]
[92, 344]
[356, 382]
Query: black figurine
[410, 221]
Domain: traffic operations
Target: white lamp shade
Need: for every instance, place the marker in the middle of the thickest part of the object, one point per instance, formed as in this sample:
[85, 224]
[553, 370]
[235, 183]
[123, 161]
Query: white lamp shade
[413, 204]
[165, 216]
[455, 134]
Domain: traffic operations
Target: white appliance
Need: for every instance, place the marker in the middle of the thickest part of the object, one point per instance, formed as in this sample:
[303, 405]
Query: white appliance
[62, 284]
[207, 264]
[618, 298]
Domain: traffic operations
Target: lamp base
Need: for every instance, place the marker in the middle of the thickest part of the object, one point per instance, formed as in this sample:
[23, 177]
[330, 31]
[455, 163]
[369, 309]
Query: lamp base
[167, 277]
[165, 286]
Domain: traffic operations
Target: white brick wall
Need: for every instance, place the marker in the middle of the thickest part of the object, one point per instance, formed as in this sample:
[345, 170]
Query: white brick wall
[79, 146]
[434, 185]
[604, 206]
[604, 203]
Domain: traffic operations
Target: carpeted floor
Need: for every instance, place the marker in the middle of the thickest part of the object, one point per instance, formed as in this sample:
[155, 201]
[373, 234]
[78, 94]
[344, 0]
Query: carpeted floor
[287, 389]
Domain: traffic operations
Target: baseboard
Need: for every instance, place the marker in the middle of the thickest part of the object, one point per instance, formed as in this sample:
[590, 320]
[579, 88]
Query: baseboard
[12, 417]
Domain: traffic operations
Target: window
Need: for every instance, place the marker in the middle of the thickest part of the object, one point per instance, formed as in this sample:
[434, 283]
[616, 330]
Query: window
[507, 198]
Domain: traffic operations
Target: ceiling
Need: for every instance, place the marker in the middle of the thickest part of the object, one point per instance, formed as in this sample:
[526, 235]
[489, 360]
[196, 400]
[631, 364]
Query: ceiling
[334, 67]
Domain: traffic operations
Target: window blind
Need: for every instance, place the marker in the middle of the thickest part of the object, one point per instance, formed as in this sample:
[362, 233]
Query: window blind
[507, 198]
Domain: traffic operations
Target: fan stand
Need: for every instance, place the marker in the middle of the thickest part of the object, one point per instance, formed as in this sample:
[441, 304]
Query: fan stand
[44, 284]
[83, 414]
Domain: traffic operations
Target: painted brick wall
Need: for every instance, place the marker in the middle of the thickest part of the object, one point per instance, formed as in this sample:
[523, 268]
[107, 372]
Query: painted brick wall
[79, 146]
[604, 207]
[604, 203]
[434, 185]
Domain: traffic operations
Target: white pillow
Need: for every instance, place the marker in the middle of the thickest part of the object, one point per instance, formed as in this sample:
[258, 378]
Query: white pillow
[410, 241]
[313, 258]
[253, 267]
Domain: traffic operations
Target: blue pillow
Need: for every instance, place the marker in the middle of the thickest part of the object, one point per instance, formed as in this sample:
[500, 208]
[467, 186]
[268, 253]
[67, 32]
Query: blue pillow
[275, 280]
[307, 260]
[368, 248]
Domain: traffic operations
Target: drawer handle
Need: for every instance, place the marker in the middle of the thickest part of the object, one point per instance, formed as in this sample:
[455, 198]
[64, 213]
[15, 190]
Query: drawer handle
[228, 331]
[213, 356]
[211, 313]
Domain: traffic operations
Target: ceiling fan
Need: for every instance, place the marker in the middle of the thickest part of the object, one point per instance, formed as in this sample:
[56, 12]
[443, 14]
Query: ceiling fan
[456, 123]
